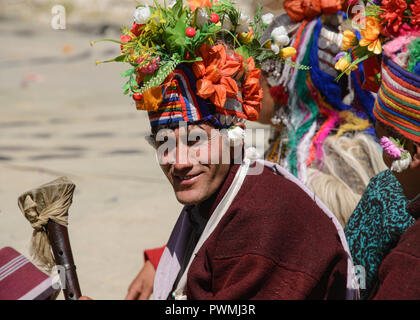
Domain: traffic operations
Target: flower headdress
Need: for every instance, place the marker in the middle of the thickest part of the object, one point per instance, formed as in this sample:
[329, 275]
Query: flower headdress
[389, 29]
[195, 62]
[378, 22]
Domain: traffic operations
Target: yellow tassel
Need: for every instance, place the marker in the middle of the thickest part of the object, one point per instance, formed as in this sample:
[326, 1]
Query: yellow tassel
[351, 123]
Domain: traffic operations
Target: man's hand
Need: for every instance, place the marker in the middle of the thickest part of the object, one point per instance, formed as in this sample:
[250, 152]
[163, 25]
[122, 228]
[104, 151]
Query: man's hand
[142, 286]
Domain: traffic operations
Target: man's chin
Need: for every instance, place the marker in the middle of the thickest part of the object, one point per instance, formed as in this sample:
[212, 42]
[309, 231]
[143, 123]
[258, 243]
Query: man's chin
[188, 198]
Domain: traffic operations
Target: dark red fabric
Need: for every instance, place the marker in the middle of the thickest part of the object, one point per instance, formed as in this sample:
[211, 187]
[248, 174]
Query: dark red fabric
[399, 274]
[371, 67]
[153, 255]
[273, 243]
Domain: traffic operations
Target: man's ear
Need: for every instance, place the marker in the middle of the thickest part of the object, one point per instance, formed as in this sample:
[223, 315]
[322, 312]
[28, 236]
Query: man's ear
[415, 163]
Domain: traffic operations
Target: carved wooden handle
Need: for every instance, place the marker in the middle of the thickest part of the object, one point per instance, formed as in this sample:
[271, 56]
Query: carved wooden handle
[60, 244]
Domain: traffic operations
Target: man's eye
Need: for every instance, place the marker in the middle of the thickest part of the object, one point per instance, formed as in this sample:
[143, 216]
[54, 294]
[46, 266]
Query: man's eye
[192, 143]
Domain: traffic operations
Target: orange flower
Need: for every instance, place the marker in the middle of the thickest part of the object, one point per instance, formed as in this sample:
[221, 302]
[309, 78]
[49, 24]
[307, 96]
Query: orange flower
[252, 92]
[194, 4]
[349, 40]
[214, 75]
[370, 35]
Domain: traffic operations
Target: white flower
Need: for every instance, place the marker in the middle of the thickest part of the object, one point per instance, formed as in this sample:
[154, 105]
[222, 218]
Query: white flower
[279, 36]
[236, 135]
[142, 15]
[275, 48]
[267, 18]
[202, 17]
[227, 24]
[252, 153]
[401, 164]
[243, 23]
[171, 3]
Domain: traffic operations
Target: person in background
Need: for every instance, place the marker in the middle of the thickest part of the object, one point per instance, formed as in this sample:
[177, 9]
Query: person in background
[381, 217]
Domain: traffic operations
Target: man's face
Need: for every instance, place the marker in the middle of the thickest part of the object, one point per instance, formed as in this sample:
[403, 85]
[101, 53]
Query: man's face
[198, 167]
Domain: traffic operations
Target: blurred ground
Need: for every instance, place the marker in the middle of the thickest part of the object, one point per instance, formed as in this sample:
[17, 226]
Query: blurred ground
[62, 115]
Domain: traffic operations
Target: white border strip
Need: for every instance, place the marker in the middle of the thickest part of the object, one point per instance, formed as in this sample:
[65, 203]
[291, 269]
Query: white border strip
[38, 290]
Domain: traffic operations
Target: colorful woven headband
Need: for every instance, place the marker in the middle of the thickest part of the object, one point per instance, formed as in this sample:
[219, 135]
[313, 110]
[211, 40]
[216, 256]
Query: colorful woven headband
[398, 102]
[206, 90]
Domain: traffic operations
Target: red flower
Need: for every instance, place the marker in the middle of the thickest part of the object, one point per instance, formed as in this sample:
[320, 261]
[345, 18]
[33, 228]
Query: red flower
[415, 11]
[137, 29]
[125, 39]
[279, 94]
[393, 13]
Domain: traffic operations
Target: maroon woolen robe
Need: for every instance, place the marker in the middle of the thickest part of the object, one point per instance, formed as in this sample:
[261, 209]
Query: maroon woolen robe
[273, 242]
[399, 274]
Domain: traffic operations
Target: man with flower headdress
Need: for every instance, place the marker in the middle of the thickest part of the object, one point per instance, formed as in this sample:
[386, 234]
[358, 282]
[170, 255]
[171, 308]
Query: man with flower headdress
[316, 91]
[380, 231]
[197, 73]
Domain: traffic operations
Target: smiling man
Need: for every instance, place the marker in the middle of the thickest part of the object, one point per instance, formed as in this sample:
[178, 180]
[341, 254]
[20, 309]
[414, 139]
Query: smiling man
[234, 239]
[248, 229]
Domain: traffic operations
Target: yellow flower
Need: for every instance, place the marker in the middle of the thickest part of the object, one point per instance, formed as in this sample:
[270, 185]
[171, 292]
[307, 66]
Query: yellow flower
[267, 45]
[343, 65]
[287, 52]
[246, 37]
[349, 40]
[370, 35]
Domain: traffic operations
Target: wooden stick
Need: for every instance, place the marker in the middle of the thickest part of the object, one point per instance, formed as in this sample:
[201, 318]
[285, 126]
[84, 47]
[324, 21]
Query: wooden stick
[60, 244]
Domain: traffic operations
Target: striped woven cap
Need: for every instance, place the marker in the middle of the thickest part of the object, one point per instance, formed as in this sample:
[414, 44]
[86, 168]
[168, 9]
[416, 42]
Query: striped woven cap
[398, 101]
[177, 101]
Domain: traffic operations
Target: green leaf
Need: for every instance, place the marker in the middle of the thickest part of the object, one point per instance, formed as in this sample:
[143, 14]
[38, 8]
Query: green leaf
[265, 54]
[128, 73]
[177, 8]
[126, 86]
[120, 58]
[159, 76]
[243, 51]
[133, 82]
[175, 38]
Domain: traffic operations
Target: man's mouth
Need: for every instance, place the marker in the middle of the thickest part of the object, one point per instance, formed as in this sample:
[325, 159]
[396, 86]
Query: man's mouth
[187, 179]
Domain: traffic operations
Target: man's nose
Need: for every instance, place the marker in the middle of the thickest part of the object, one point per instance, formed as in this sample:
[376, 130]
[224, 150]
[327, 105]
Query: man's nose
[182, 159]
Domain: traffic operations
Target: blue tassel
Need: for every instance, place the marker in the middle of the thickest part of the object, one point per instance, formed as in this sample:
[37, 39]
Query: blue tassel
[324, 82]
